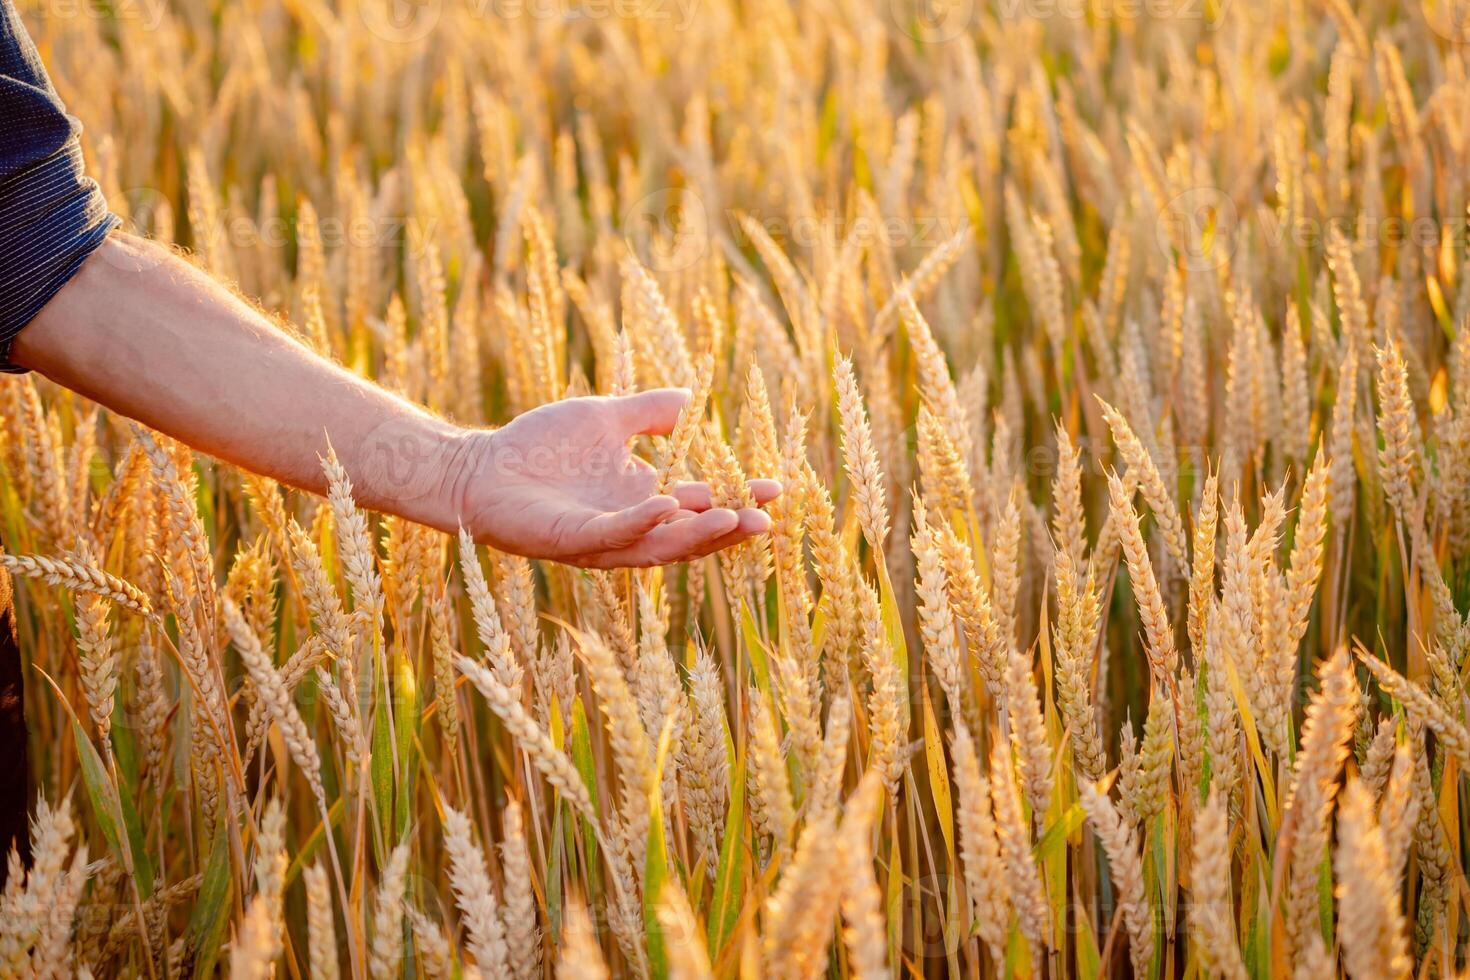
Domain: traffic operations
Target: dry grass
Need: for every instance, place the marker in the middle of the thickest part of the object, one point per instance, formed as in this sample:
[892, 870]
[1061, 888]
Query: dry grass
[1124, 435]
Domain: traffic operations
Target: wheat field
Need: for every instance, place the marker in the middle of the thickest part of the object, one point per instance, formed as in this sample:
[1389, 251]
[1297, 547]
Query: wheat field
[1115, 359]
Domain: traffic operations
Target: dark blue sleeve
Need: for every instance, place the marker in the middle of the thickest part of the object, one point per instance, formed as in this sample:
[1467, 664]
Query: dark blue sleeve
[52, 215]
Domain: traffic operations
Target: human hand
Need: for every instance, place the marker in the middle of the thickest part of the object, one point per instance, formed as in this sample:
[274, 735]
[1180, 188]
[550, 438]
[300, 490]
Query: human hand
[560, 482]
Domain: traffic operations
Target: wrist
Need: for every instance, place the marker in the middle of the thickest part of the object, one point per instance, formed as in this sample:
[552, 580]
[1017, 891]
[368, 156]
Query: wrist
[462, 475]
[418, 467]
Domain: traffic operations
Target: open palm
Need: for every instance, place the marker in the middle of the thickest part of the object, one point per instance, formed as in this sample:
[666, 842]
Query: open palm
[560, 482]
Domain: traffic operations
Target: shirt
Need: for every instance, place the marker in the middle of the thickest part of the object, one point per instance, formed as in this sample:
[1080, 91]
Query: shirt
[52, 215]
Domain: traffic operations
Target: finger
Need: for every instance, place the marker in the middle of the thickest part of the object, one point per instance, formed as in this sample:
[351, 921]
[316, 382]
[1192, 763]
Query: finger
[765, 491]
[696, 495]
[693, 495]
[669, 543]
[749, 523]
[623, 528]
[652, 412]
[752, 522]
[672, 542]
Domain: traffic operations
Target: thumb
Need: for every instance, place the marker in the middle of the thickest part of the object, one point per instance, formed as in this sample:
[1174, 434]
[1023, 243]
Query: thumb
[650, 413]
[621, 528]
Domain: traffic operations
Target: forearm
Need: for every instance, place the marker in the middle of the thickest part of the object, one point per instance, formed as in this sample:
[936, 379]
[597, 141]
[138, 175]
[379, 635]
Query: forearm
[147, 335]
